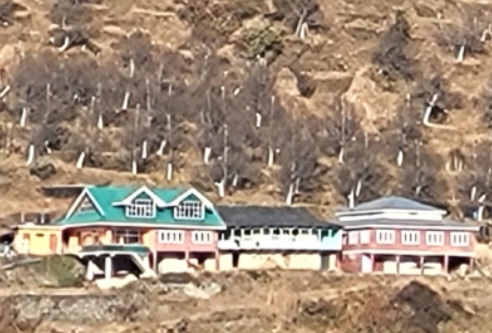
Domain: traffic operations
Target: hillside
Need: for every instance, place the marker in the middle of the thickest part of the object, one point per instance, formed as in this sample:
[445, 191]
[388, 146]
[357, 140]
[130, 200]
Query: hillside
[304, 101]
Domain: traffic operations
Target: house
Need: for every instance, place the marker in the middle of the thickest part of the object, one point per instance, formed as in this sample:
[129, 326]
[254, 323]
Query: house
[160, 229]
[401, 236]
[259, 237]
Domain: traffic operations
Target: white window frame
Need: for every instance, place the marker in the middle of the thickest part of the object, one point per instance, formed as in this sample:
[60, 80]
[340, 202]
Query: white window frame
[365, 236]
[202, 237]
[181, 212]
[461, 239]
[127, 235]
[353, 237]
[410, 237]
[141, 209]
[385, 236]
[434, 238]
[171, 236]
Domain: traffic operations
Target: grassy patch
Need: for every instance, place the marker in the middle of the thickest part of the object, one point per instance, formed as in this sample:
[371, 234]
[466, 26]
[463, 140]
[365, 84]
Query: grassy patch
[66, 271]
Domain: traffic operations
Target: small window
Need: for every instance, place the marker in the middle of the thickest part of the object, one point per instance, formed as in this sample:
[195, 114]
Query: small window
[202, 237]
[189, 210]
[86, 205]
[434, 238]
[171, 236]
[460, 239]
[127, 236]
[365, 236]
[385, 236]
[410, 237]
[141, 208]
[353, 237]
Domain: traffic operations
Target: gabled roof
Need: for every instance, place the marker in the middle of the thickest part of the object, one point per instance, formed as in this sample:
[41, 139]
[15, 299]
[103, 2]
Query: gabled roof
[106, 212]
[265, 216]
[392, 203]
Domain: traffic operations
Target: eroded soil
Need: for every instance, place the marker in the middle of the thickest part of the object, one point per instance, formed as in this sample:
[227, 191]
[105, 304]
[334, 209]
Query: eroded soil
[261, 302]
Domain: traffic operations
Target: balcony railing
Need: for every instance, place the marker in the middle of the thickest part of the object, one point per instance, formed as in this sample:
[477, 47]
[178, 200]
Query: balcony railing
[323, 244]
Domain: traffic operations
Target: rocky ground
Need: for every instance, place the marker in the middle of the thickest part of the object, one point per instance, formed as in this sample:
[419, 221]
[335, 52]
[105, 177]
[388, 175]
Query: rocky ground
[270, 101]
[272, 301]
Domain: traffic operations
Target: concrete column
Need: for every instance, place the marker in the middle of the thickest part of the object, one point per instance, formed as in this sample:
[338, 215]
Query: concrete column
[108, 267]
[446, 264]
[217, 262]
[155, 261]
[373, 263]
[397, 265]
[422, 264]
[89, 275]
[472, 266]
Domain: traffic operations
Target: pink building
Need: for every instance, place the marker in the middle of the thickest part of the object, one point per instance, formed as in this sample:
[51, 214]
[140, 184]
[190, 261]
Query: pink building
[401, 236]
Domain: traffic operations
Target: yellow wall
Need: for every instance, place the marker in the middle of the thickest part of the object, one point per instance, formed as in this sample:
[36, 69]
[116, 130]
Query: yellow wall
[39, 242]
[40, 238]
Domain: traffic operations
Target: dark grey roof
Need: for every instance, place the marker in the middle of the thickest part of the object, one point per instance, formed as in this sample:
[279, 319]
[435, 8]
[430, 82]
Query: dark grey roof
[409, 223]
[393, 202]
[267, 216]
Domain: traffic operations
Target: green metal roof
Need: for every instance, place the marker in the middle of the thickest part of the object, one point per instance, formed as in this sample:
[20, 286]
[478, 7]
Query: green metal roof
[106, 196]
[111, 248]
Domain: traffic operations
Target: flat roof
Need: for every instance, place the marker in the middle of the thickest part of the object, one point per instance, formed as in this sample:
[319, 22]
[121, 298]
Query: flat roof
[270, 216]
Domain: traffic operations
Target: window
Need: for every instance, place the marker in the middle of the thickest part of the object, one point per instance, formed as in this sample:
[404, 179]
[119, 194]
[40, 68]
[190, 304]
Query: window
[385, 236]
[460, 239]
[126, 236]
[434, 238]
[353, 237]
[365, 236]
[410, 237]
[141, 208]
[171, 236]
[86, 205]
[192, 210]
[202, 237]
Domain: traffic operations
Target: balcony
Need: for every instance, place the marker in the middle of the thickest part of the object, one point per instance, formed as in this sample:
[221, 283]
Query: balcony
[292, 243]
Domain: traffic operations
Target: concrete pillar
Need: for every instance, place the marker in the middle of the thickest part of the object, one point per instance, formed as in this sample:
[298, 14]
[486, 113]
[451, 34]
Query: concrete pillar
[89, 275]
[472, 266]
[108, 267]
[397, 265]
[217, 262]
[446, 264]
[422, 265]
[373, 263]
[155, 261]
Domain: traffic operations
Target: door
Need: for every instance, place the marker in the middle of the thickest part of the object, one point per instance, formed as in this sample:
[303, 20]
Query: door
[366, 264]
[53, 243]
[25, 244]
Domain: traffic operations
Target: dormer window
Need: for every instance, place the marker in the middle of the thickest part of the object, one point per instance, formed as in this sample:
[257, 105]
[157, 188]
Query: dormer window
[189, 210]
[141, 208]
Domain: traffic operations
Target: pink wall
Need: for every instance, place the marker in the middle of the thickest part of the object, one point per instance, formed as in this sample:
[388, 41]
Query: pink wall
[398, 246]
[187, 245]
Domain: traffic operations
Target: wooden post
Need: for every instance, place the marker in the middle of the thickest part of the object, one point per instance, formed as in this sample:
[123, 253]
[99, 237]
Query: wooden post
[397, 265]
[422, 264]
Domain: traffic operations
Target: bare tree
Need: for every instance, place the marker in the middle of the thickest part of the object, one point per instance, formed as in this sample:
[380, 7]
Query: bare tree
[420, 178]
[466, 37]
[391, 55]
[299, 15]
[300, 171]
[433, 98]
